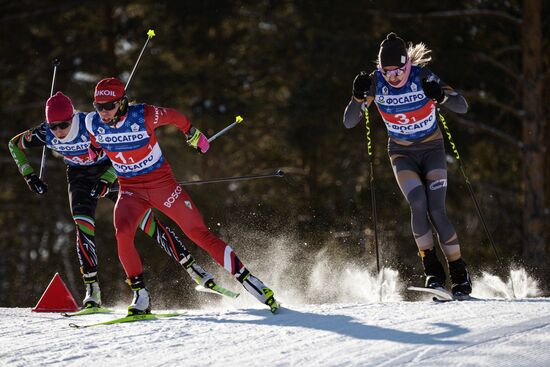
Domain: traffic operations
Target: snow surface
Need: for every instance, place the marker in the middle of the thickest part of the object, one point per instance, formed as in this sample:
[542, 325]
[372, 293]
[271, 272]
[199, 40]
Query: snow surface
[491, 332]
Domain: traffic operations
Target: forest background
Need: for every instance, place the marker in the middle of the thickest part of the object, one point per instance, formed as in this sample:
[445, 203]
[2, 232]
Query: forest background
[287, 67]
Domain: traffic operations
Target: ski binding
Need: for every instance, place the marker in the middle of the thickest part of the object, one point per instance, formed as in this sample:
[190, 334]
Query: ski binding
[443, 295]
[87, 311]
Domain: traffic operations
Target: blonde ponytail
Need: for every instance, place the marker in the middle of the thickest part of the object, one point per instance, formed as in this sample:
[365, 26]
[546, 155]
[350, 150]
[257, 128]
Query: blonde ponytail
[419, 54]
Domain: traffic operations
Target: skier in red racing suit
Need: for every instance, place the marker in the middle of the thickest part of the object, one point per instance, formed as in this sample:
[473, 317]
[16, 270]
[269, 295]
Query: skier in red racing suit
[126, 134]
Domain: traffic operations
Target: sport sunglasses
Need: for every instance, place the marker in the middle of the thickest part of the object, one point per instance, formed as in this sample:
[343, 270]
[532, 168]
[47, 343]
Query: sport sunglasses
[107, 106]
[396, 72]
[61, 125]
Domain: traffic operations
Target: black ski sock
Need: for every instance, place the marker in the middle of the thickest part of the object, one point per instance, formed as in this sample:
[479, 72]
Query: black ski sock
[90, 278]
[137, 282]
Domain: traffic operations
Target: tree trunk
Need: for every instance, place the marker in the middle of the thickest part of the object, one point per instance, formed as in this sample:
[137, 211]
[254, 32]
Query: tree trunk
[534, 246]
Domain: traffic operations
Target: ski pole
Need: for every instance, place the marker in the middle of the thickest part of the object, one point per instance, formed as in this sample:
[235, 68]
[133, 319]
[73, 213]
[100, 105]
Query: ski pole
[150, 34]
[238, 120]
[469, 185]
[277, 174]
[55, 64]
[372, 189]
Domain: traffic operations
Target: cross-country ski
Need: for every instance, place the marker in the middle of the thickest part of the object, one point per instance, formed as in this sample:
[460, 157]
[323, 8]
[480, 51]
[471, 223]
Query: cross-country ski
[126, 319]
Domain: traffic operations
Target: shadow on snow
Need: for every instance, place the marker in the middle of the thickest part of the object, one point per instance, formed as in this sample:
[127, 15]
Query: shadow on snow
[345, 325]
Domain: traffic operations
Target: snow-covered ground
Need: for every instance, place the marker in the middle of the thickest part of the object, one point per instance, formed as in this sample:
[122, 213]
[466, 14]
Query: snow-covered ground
[488, 333]
[491, 332]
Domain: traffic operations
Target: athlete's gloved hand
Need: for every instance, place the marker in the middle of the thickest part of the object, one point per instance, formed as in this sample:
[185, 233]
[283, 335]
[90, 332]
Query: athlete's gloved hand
[197, 140]
[36, 184]
[361, 85]
[101, 188]
[433, 90]
[95, 153]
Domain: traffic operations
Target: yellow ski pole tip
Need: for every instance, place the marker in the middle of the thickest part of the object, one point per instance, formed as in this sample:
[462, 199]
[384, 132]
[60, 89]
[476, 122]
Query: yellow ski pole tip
[238, 119]
[151, 33]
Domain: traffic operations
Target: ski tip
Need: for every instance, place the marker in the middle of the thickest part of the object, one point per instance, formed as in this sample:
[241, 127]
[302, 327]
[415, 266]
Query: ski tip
[169, 314]
[217, 290]
[413, 288]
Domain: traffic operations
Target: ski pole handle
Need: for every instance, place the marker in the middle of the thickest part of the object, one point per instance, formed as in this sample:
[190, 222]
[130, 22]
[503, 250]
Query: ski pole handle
[55, 64]
[238, 120]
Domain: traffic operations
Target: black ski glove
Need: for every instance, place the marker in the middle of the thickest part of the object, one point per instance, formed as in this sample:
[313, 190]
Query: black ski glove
[35, 184]
[433, 90]
[361, 85]
[102, 188]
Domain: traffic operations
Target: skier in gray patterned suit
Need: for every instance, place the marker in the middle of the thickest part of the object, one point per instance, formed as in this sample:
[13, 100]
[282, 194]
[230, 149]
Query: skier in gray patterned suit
[407, 95]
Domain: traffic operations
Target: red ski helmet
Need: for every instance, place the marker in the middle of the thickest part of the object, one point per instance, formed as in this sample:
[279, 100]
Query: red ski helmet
[109, 90]
[59, 108]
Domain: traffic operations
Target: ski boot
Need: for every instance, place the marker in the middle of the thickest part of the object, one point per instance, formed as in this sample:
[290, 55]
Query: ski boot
[460, 280]
[258, 289]
[435, 274]
[93, 293]
[197, 273]
[141, 303]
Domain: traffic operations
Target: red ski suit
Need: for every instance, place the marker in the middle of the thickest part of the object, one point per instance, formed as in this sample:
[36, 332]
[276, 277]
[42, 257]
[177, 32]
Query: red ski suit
[158, 189]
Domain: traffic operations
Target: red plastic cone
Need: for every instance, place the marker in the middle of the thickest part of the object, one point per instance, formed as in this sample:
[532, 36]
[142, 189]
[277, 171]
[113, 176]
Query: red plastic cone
[56, 298]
